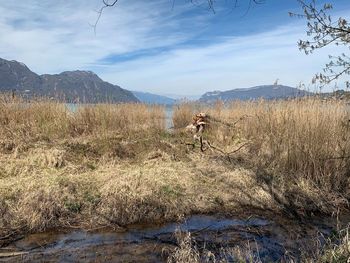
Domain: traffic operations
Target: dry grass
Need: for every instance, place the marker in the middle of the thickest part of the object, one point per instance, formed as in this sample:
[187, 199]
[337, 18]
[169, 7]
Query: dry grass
[126, 119]
[336, 250]
[182, 115]
[38, 196]
[187, 251]
[302, 138]
[48, 120]
[299, 144]
[116, 164]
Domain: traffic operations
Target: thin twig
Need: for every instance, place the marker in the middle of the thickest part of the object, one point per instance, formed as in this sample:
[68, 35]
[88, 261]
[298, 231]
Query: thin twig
[106, 4]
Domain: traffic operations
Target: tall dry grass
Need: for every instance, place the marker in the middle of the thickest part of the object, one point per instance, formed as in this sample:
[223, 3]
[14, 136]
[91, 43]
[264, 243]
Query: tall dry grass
[335, 250]
[305, 141]
[122, 118]
[305, 138]
[182, 115]
[44, 119]
[187, 251]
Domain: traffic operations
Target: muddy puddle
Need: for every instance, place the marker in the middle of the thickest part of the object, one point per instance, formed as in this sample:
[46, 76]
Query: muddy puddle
[270, 240]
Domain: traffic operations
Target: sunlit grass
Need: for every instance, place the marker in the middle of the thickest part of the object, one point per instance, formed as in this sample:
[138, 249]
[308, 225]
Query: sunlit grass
[112, 164]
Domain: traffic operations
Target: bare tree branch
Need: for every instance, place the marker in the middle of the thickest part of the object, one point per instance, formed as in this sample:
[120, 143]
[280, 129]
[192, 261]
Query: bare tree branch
[322, 31]
[106, 4]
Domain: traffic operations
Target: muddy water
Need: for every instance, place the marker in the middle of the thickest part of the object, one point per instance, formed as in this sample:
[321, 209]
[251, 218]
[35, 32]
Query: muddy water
[269, 240]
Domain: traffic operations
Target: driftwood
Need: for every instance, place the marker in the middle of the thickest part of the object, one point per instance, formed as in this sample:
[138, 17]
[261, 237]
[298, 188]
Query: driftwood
[227, 153]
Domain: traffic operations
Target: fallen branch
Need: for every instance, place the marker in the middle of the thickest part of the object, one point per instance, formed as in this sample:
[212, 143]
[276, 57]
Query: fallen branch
[215, 148]
[226, 153]
[240, 147]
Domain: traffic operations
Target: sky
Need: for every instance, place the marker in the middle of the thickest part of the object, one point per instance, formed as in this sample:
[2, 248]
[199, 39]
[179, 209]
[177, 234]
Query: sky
[168, 47]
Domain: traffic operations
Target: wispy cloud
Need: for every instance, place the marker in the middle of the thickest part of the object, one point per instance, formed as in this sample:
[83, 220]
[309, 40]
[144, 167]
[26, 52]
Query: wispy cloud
[233, 62]
[147, 45]
[53, 36]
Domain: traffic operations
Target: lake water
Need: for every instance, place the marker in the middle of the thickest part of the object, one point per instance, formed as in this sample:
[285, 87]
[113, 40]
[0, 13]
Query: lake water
[169, 110]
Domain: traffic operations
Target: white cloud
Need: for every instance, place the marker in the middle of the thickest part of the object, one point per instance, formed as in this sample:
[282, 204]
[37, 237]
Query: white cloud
[53, 36]
[232, 63]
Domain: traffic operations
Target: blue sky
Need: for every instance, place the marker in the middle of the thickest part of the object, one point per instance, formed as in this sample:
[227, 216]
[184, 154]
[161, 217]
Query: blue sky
[152, 46]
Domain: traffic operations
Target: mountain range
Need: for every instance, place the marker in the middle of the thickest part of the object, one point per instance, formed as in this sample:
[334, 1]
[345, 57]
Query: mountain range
[68, 86]
[87, 87]
[150, 98]
[257, 92]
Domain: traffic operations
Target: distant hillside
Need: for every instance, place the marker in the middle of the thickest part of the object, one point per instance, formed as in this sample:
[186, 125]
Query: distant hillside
[265, 91]
[150, 98]
[69, 86]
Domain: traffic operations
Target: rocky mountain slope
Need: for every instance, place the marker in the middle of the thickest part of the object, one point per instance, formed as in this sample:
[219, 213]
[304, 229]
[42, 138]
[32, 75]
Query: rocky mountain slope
[69, 86]
[264, 91]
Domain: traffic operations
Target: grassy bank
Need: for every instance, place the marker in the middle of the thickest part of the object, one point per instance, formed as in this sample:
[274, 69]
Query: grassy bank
[117, 164]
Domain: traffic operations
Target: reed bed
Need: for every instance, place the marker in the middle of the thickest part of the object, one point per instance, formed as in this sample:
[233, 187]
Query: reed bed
[305, 138]
[182, 115]
[123, 118]
[304, 141]
[44, 119]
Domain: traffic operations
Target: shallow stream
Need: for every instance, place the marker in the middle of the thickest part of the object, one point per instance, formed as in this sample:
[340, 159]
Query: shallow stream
[269, 240]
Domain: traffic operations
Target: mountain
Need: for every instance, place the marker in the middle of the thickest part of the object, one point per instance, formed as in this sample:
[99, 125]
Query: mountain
[264, 91]
[68, 86]
[150, 98]
[181, 97]
[84, 86]
[16, 75]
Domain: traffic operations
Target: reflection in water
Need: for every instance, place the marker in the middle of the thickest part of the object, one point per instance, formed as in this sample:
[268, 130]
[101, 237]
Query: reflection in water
[150, 243]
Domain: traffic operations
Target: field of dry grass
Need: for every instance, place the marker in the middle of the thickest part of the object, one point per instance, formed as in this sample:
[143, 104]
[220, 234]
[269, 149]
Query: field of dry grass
[117, 164]
[302, 147]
